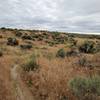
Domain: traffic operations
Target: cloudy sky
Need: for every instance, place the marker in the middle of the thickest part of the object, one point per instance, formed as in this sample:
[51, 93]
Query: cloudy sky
[61, 15]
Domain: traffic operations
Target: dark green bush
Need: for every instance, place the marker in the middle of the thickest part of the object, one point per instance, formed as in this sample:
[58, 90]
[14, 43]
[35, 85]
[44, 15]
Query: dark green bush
[88, 47]
[61, 53]
[31, 64]
[12, 41]
[86, 88]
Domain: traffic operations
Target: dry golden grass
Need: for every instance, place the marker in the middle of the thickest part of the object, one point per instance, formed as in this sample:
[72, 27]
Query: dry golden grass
[50, 81]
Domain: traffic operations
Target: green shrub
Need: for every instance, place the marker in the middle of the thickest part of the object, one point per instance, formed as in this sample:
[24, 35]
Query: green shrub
[61, 53]
[86, 88]
[12, 41]
[31, 64]
[88, 47]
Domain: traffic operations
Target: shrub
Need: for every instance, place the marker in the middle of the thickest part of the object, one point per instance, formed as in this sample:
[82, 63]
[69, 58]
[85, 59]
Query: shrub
[31, 64]
[3, 28]
[85, 61]
[98, 47]
[64, 98]
[61, 53]
[55, 34]
[82, 61]
[29, 82]
[1, 36]
[26, 46]
[12, 41]
[86, 88]
[51, 43]
[40, 39]
[87, 47]
[28, 37]
[18, 34]
[59, 40]
[1, 53]
[72, 41]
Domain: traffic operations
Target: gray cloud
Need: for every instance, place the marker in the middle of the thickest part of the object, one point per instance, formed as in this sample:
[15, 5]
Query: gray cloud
[62, 15]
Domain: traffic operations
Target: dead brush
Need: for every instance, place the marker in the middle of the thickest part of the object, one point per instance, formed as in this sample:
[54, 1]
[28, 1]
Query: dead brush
[50, 82]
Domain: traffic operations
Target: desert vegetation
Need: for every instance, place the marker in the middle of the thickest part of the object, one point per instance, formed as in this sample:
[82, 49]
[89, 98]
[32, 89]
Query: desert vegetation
[86, 88]
[51, 65]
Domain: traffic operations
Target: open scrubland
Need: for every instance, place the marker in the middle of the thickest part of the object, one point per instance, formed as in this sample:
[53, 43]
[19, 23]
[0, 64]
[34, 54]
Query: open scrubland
[42, 65]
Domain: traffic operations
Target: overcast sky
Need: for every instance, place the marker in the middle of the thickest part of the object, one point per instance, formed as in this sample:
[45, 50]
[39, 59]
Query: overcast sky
[62, 15]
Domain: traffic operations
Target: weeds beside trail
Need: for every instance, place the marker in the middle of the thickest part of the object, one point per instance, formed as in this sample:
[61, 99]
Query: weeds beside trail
[21, 91]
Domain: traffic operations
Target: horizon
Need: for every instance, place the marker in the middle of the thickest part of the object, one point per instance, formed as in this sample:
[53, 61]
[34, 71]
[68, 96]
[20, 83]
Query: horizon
[84, 33]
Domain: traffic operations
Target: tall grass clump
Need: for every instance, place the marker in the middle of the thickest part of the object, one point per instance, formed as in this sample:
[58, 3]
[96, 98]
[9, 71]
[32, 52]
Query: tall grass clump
[31, 63]
[86, 88]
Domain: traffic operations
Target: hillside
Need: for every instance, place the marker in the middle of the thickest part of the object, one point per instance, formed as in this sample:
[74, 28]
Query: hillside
[43, 65]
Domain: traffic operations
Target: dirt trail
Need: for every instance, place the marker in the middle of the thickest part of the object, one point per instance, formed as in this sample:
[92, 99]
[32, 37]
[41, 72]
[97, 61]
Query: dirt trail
[21, 91]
